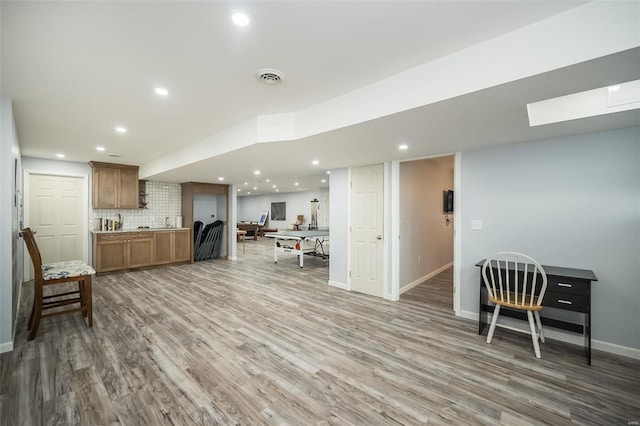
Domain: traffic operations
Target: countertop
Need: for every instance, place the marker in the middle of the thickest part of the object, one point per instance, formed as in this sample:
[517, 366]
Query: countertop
[120, 231]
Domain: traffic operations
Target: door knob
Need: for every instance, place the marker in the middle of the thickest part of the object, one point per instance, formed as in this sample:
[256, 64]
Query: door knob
[379, 237]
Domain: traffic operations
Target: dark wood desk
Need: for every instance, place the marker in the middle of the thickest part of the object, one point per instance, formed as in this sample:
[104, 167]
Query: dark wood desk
[567, 289]
[251, 228]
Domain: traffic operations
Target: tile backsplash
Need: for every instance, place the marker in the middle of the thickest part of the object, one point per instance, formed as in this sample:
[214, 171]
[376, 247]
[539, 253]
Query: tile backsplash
[163, 200]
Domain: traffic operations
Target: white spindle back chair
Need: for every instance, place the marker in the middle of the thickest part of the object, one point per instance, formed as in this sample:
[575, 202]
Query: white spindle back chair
[516, 281]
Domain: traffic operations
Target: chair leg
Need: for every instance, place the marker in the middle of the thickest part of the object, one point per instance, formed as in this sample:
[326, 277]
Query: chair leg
[33, 307]
[494, 320]
[534, 335]
[536, 314]
[83, 297]
[37, 309]
[88, 299]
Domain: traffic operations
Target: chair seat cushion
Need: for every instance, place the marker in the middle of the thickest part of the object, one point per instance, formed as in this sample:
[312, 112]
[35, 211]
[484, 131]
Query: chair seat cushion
[66, 269]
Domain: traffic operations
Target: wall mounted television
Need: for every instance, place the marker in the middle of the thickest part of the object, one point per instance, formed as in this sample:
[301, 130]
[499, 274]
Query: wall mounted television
[447, 201]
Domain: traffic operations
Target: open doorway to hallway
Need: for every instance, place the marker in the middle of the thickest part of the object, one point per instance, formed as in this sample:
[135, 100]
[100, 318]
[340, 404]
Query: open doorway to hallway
[426, 227]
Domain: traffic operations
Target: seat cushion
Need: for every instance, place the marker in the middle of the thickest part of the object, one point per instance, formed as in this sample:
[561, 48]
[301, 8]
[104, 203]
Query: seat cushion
[66, 269]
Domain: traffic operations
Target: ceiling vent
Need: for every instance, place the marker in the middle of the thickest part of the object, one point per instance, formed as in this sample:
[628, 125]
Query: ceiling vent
[114, 155]
[270, 76]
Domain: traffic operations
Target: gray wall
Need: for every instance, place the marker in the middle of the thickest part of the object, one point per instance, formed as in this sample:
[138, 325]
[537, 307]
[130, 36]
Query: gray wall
[339, 231]
[250, 207]
[571, 202]
[426, 242]
[11, 246]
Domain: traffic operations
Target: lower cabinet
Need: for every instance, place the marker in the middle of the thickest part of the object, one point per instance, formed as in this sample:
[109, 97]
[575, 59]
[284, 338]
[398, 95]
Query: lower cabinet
[113, 252]
[123, 250]
[172, 246]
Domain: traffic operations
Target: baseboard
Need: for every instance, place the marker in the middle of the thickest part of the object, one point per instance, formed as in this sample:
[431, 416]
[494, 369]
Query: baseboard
[426, 277]
[233, 257]
[563, 336]
[6, 347]
[337, 284]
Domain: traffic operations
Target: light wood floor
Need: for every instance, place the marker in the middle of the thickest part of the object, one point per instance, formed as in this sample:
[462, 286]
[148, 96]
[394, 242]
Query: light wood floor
[252, 342]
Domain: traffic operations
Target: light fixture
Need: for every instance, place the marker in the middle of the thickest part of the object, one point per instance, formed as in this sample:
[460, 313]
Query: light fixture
[323, 180]
[99, 148]
[268, 180]
[161, 91]
[277, 190]
[255, 188]
[315, 162]
[239, 189]
[328, 172]
[296, 184]
[246, 183]
[220, 178]
[256, 172]
[60, 155]
[121, 130]
[240, 18]
[248, 193]
[274, 186]
[403, 147]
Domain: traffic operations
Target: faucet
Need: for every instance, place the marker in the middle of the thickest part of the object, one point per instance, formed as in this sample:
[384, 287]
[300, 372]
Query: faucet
[166, 222]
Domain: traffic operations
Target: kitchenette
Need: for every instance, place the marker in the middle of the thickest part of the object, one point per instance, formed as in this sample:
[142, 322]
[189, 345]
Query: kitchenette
[135, 223]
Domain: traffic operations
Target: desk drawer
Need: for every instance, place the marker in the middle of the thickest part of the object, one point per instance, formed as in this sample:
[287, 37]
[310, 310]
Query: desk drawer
[566, 301]
[568, 285]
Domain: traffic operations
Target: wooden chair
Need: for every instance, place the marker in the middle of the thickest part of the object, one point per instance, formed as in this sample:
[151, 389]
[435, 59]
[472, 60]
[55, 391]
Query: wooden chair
[521, 284]
[299, 219]
[57, 273]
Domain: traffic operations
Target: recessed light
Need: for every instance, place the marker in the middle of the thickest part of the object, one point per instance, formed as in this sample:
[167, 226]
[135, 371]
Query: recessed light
[240, 18]
[324, 180]
[161, 91]
[220, 178]
[256, 172]
[268, 180]
[121, 130]
[60, 155]
[315, 162]
[296, 184]
[246, 183]
[255, 188]
[277, 190]
[248, 193]
[239, 189]
[328, 172]
[274, 186]
[403, 147]
[99, 148]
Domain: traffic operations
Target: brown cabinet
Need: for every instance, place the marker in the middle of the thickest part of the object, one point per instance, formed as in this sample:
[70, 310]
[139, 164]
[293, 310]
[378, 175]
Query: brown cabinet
[122, 250]
[115, 251]
[115, 186]
[172, 246]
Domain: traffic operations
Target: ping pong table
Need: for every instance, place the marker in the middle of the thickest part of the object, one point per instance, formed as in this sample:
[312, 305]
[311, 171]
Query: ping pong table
[318, 236]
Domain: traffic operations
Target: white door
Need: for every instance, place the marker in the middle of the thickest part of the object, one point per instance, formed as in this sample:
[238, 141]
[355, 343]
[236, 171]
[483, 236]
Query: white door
[367, 229]
[55, 213]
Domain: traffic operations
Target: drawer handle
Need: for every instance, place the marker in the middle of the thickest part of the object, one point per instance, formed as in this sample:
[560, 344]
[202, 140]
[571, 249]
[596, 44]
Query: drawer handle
[564, 285]
[566, 302]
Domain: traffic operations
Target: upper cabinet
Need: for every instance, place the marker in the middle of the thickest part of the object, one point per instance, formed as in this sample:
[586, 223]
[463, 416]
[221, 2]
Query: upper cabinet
[115, 186]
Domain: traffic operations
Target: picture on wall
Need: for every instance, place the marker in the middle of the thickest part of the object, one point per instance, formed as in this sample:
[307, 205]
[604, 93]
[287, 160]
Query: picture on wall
[279, 211]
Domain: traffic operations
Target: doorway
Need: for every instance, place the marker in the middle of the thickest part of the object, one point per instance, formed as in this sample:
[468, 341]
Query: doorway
[55, 208]
[426, 225]
[367, 229]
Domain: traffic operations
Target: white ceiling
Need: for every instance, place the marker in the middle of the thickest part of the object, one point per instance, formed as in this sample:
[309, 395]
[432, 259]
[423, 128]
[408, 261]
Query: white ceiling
[75, 70]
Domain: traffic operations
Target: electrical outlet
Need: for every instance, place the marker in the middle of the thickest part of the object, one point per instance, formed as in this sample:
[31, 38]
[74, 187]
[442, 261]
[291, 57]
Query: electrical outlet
[476, 225]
